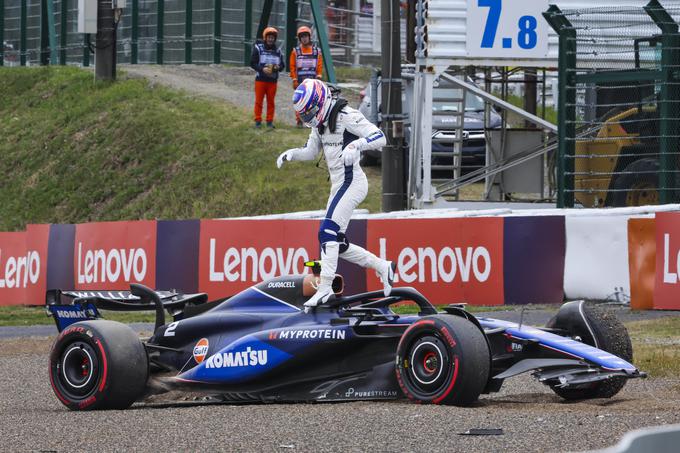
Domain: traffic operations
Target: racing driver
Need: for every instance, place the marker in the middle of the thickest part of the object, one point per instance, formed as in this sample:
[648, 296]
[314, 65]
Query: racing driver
[342, 133]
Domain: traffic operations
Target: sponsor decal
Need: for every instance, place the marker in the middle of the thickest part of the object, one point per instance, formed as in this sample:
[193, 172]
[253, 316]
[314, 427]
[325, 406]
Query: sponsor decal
[448, 337]
[248, 358]
[281, 285]
[351, 393]
[308, 334]
[71, 314]
[201, 350]
[670, 268]
[516, 347]
[20, 270]
[667, 273]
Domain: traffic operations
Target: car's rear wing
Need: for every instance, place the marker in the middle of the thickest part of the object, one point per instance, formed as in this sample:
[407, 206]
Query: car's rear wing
[71, 306]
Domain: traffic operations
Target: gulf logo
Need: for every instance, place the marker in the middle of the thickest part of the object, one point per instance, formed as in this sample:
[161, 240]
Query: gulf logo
[201, 350]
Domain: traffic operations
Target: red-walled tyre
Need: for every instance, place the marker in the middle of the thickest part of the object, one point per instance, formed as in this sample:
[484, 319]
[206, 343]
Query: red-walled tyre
[443, 359]
[98, 365]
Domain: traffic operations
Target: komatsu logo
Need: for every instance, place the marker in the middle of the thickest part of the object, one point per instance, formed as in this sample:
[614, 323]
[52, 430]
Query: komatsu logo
[71, 314]
[248, 358]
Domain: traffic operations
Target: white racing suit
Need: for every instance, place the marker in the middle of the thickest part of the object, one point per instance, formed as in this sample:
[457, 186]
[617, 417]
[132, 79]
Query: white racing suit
[348, 188]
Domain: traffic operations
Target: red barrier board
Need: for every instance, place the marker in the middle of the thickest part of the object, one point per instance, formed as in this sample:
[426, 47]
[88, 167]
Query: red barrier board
[667, 281]
[448, 260]
[23, 266]
[236, 254]
[110, 255]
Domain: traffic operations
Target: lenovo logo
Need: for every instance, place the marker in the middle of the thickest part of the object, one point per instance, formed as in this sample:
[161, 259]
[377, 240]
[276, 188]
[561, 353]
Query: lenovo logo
[249, 264]
[18, 271]
[100, 266]
[446, 264]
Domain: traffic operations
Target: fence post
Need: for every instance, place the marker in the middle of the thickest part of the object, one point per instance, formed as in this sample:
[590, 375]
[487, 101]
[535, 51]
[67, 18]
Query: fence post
[291, 22]
[2, 32]
[159, 31]
[188, 30]
[86, 50]
[63, 33]
[669, 107]
[22, 38]
[323, 40]
[264, 17]
[48, 36]
[217, 32]
[566, 128]
[134, 32]
[247, 32]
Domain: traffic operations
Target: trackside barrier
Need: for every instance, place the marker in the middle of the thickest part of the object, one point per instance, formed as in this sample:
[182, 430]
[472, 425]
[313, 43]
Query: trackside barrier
[485, 257]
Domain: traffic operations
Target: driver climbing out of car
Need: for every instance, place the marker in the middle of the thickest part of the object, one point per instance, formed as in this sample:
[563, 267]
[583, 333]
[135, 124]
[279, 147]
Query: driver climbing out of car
[342, 133]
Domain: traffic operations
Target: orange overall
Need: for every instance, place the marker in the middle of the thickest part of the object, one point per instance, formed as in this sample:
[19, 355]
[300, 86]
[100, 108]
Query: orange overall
[263, 89]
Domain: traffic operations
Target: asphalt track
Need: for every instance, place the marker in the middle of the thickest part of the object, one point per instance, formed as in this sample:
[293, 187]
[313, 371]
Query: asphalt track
[531, 416]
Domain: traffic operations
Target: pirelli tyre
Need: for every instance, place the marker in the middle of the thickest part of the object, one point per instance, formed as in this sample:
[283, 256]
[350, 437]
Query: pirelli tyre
[98, 365]
[602, 330]
[443, 359]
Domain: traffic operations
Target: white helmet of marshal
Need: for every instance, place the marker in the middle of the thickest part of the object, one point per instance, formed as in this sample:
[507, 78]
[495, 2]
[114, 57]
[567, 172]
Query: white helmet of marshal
[312, 101]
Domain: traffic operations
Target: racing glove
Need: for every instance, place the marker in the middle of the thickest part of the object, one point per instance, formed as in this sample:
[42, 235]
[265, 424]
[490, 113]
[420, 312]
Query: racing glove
[351, 155]
[285, 156]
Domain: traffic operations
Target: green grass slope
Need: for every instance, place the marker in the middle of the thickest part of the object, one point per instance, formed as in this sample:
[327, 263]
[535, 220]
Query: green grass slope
[72, 150]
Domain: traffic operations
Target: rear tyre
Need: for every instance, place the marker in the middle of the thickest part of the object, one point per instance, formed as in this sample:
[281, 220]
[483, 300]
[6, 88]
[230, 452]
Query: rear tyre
[639, 186]
[608, 334]
[443, 359]
[98, 365]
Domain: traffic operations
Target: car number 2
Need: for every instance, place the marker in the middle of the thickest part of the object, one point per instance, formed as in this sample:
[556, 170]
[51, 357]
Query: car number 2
[170, 331]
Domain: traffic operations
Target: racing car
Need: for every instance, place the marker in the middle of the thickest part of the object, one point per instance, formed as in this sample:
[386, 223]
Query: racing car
[263, 345]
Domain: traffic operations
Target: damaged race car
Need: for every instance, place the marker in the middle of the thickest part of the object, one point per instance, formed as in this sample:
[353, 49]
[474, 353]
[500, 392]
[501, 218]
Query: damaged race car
[261, 345]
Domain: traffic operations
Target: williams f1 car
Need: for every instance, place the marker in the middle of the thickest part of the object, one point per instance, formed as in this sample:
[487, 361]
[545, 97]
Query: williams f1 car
[261, 345]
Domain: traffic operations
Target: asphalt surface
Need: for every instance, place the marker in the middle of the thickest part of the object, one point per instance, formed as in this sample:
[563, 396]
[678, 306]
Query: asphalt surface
[531, 416]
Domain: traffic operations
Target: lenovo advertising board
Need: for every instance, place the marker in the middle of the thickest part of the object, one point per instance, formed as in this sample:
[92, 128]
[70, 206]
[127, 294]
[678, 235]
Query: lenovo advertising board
[23, 266]
[236, 254]
[667, 282]
[111, 255]
[447, 260]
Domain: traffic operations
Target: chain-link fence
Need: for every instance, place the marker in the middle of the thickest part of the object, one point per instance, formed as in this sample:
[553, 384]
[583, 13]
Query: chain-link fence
[619, 107]
[190, 31]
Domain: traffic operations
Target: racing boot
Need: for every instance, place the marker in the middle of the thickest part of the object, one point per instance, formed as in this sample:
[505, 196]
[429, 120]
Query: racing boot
[384, 269]
[329, 264]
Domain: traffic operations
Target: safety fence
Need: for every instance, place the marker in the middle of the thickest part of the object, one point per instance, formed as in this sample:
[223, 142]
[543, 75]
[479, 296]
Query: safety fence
[619, 106]
[186, 31]
[479, 257]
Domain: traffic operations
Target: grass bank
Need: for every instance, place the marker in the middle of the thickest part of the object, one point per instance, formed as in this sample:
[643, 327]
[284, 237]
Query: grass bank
[72, 150]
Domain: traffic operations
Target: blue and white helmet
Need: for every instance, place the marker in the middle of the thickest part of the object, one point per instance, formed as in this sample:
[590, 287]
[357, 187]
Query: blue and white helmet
[312, 101]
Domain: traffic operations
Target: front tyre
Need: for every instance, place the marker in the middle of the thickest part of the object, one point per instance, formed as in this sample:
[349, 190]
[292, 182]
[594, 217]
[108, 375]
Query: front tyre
[98, 365]
[443, 359]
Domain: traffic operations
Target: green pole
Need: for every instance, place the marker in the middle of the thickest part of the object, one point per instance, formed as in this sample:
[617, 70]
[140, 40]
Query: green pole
[320, 25]
[159, 31]
[264, 17]
[247, 33]
[566, 129]
[22, 38]
[669, 129]
[44, 32]
[188, 23]
[63, 33]
[135, 32]
[291, 23]
[2, 32]
[53, 32]
[217, 33]
[86, 50]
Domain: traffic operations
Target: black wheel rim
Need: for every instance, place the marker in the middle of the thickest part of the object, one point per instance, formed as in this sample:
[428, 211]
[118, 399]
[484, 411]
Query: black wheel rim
[77, 370]
[427, 365]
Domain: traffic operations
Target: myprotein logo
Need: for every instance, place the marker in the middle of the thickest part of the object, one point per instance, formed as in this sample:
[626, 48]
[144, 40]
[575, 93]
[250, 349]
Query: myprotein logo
[19, 271]
[243, 264]
[440, 264]
[111, 265]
